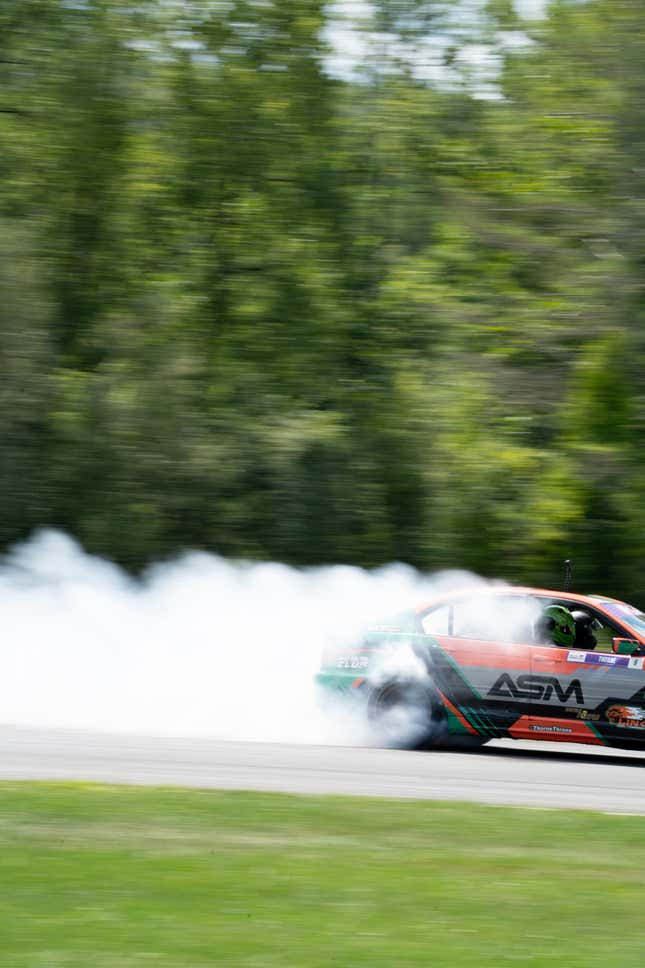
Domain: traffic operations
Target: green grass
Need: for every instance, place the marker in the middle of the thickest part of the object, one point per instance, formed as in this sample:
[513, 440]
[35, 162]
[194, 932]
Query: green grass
[99, 876]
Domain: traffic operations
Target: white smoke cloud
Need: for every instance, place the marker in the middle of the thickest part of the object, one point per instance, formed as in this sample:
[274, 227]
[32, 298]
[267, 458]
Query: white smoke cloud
[200, 646]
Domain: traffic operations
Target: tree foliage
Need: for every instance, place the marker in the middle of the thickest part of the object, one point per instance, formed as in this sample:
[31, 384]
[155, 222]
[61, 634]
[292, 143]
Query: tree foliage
[251, 307]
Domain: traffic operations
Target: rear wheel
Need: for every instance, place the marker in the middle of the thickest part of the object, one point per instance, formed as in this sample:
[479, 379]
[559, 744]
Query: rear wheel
[408, 714]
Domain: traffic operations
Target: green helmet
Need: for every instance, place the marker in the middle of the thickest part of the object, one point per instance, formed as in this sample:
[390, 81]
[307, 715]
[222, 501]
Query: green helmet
[557, 624]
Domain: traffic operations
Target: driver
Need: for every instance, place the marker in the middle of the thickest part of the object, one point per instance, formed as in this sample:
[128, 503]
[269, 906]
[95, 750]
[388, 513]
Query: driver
[556, 626]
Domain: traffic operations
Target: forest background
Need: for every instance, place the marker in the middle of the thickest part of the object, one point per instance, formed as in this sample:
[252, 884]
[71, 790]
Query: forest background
[391, 311]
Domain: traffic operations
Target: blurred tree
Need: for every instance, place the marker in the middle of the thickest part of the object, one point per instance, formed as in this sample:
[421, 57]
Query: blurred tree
[250, 307]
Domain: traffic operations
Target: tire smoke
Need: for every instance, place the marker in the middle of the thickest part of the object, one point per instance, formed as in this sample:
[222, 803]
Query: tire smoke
[199, 646]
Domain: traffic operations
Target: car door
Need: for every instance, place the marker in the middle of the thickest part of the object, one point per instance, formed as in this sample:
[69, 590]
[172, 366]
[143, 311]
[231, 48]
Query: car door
[484, 647]
[587, 695]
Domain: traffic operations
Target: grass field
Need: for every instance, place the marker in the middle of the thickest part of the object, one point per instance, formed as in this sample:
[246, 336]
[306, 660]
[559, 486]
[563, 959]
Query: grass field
[99, 876]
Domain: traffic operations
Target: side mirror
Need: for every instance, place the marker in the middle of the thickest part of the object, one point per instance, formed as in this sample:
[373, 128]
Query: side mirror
[625, 646]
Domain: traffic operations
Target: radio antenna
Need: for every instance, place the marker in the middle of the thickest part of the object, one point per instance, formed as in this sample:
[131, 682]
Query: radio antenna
[567, 574]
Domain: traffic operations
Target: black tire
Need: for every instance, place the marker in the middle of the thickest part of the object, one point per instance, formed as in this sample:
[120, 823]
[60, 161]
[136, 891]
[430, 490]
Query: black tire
[407, 714]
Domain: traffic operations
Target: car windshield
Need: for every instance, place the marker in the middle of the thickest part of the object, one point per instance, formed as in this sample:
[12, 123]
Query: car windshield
[627, 614]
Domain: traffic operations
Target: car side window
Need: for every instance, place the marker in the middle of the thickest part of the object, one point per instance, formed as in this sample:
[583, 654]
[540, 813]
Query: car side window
[438, 621]
[599, 634]
[495, 618]
[604, 636]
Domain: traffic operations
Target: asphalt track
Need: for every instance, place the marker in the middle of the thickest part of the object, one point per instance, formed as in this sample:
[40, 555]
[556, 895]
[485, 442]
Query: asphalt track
[522, 774]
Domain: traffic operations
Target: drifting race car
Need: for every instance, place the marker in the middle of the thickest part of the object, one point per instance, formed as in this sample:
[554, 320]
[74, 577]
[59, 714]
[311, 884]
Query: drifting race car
[499, 662]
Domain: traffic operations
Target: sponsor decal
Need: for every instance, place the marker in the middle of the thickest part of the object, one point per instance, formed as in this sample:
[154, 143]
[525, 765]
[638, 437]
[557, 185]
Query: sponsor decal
[635, 663]
[352, 662]
[626, 716]
[583, 714]
[537, 728]
[542, 688]
[603, 658]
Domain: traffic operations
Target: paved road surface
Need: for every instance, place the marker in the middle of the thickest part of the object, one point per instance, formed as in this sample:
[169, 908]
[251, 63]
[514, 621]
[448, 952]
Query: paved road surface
[529, 774]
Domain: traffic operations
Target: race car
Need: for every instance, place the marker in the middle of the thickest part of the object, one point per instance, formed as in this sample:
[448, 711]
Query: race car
[498, 662]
